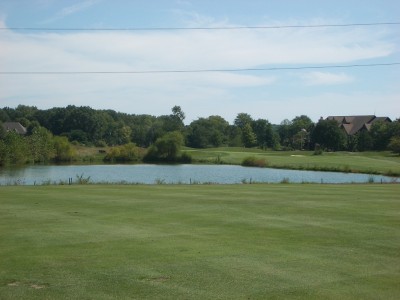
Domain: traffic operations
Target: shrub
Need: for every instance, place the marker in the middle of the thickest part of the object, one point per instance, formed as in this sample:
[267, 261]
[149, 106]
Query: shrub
[166, 148]
[185, 158]
[63, 149]
[82, 180]
[252, 161]
[285, 180]
[318, 149]
[101, 143]
[125, 153]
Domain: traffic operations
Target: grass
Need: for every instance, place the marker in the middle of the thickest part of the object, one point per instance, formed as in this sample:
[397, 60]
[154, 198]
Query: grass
[200, 242]
[356, 162]
[384, 163]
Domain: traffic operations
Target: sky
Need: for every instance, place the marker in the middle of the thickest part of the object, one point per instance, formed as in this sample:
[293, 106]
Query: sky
[274, 95]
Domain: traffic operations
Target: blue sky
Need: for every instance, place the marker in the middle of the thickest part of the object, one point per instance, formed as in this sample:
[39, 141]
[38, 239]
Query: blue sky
[272, 95]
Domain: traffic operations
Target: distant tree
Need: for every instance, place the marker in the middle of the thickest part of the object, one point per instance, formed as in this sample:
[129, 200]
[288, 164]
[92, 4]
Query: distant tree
[166, 148]
[364, 141]
[328, 134]
[242, 119]
[394, 144]
[249, 139]
[244, 122]
[14, 149]
[178, 113]
[78, 135]
[207, 132]
[234, 136]
[2, 130]
[276, 145]
[4, 116]
[380, 133]
[300, 129]
[27, 112]
[263, 131]
[63, 149]
[142, 129]
[284, 132]
[41, 145]
[124, 135]
[299, 123]
[169, 123]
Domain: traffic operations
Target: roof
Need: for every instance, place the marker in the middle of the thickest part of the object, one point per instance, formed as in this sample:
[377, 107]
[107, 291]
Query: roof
[355, 124]
[15, 126]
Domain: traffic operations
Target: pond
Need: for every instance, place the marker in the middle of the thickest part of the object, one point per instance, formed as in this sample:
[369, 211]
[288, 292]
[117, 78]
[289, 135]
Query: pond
[169, 174]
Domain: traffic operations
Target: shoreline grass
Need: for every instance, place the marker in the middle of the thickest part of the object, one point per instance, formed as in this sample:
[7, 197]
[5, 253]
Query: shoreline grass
[377, 163]
[200, 242]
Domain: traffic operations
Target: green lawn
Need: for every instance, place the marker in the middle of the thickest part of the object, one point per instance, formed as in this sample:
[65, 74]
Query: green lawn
[362, 162]
[200, 242]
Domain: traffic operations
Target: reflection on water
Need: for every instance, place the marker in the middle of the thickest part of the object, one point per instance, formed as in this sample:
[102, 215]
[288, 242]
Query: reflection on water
[150, 174]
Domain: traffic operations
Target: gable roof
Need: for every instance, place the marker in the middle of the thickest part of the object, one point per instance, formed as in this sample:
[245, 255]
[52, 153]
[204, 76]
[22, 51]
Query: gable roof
[14, 126]
[354, 124]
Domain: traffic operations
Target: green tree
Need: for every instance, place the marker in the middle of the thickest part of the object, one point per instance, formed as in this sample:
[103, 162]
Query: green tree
[249, 139]
[244, 122]
[394, 144]
[14, 149]
[364, 141]
[178, 113]
[242, 119]
[41, 145]
[2, 131]
[142, 129]
[328, 134]
[299, 123]
[234, 136]
[284, 132]
[380, 134]
[208, 132]
[263, 131]
[4, 116]
[166, 148]
[63, 149]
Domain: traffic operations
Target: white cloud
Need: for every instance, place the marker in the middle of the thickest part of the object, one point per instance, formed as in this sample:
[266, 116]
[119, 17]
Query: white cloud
[325, 78]
[200, 94]
[72, 9]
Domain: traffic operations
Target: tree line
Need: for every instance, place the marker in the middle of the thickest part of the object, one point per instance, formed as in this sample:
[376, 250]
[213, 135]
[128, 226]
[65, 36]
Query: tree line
[51, 131]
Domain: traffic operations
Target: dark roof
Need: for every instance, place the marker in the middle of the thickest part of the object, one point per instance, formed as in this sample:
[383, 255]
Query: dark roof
[14, 126]
[354, 124]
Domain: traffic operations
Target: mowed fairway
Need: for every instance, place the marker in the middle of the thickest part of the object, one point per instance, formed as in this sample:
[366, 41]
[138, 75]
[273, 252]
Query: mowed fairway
[200, 242]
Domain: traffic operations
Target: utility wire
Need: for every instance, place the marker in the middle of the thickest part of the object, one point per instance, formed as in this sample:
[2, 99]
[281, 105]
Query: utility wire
[196, 71]
[196, 28]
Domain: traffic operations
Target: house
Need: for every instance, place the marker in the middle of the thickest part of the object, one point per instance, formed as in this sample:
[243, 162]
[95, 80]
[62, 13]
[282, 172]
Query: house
[14, 126]
[355, 124]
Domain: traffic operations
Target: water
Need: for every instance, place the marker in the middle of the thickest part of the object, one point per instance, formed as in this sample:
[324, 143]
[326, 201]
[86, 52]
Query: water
[150, 174]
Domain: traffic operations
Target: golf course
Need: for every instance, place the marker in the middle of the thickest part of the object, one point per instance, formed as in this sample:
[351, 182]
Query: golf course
[258, 241]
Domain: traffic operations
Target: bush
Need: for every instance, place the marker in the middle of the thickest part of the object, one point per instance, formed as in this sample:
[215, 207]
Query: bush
[101, 143]
[185, 158]
[166, 148]
[318, 149]
[125, 153]
[63, 150]
[252, 161]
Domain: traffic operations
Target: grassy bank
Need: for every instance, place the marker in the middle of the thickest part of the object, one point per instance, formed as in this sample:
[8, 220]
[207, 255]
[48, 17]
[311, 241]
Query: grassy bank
[200, 242]
[356, 162]
[384, 163]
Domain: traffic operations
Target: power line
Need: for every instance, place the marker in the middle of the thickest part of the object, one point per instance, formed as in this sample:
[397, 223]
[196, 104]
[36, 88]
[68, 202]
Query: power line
[196, 71]
[196, 28]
